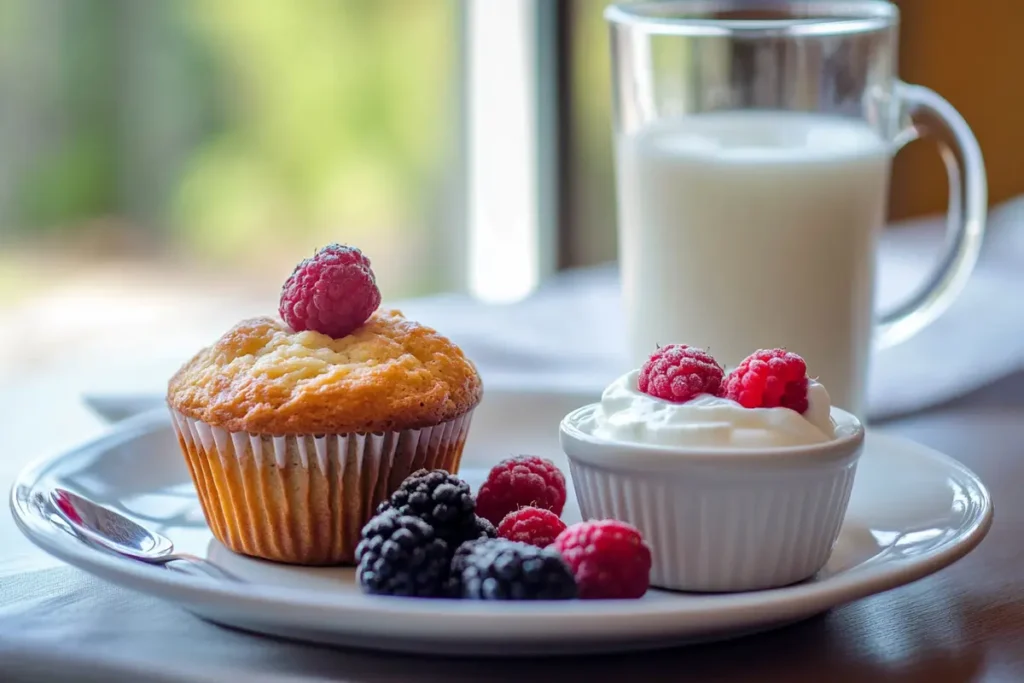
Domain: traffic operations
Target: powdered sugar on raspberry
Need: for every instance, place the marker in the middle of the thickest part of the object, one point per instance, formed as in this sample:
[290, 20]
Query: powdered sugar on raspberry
[678, 373]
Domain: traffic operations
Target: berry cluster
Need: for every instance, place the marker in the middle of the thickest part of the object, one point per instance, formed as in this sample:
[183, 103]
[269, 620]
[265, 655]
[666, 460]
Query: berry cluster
[432, 538]
[767, 378]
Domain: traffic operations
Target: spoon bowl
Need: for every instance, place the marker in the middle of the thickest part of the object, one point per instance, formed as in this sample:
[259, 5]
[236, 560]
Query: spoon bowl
[117, 533]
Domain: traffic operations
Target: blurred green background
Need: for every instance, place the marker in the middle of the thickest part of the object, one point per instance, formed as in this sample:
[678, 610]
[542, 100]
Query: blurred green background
[227, 137]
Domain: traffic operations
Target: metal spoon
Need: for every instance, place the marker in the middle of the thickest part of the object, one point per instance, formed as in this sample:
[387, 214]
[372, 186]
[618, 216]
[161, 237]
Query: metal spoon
[116, 533]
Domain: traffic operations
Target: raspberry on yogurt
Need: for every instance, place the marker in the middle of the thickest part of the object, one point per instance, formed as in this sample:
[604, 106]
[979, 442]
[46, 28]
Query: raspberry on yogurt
[678, 373]
[769, 378]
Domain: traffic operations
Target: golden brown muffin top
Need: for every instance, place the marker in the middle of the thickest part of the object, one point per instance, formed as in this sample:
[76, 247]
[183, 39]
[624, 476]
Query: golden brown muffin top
[390, 374]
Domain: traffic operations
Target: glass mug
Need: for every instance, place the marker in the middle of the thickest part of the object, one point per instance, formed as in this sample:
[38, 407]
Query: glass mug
[753, 146]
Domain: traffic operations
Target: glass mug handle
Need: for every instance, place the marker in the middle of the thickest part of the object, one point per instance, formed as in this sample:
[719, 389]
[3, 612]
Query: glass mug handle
[932, 116]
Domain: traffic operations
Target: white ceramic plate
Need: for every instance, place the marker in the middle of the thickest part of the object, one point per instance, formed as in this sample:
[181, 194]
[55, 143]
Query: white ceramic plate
[913, 511]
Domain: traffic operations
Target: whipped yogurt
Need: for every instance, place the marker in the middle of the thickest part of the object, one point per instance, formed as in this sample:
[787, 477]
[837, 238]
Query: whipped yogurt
[627, 414]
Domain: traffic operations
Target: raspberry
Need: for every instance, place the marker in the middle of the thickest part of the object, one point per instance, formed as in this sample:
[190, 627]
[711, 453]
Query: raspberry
[608, 558]
[768, 379]
[521, 482]
[678, 373]
[441, 500]
[333, 293]
[499, 569]
[535, 526]
[399, 555]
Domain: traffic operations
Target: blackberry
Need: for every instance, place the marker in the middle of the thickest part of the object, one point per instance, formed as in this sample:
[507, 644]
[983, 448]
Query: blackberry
[484, 529]
[499, 569]
[400, 555]
[441, 500]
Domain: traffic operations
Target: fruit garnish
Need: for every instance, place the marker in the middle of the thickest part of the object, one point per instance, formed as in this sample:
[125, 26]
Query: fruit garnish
[678, 373]
[609, 559]
[499, 569]
[523, 481]
[535, 526]
[334, 292]
[400, 555]
[441, 500]
[769, 378]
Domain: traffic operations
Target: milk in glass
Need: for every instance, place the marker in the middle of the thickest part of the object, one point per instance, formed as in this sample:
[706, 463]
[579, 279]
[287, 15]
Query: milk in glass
[748, 229]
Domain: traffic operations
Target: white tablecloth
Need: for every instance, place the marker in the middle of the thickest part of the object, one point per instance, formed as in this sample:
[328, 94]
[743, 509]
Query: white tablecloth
[59, 624]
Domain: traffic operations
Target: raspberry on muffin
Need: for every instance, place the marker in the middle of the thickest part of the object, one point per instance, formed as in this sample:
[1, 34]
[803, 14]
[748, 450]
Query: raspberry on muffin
[333, 293]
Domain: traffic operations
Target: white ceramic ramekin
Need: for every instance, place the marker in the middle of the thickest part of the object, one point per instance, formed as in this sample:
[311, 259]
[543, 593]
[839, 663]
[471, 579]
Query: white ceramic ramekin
[720, 520]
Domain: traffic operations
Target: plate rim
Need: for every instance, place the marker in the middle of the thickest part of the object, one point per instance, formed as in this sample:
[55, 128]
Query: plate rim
[489, 619]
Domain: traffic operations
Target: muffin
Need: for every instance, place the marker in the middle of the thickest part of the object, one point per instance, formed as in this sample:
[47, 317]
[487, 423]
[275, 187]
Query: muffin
[293, 437]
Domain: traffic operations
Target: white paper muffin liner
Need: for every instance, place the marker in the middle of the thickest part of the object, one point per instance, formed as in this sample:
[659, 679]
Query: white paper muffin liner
[304, 499]
[715, 531]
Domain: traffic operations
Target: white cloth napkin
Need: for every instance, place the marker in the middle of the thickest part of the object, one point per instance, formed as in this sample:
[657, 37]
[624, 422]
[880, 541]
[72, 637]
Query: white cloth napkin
[570, 334]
